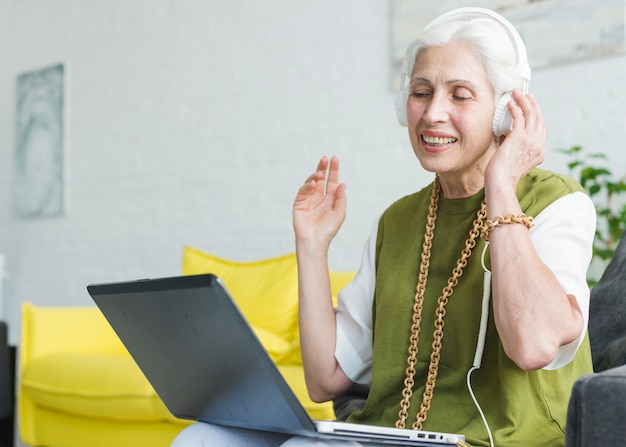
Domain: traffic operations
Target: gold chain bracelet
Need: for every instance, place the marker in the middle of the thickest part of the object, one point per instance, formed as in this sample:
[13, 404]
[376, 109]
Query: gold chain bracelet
[510, 218]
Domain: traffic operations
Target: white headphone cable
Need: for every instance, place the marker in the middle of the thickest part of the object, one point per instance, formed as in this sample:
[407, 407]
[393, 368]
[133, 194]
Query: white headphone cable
[482, 332]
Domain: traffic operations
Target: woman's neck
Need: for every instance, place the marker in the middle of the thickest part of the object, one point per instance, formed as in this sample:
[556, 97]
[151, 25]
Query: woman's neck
[458, 188]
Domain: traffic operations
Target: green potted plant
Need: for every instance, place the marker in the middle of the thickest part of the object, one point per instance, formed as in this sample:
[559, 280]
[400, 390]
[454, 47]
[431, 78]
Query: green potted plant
[605, 191]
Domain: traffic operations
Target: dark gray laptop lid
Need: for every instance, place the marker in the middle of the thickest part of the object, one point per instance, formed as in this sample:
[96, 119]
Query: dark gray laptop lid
[200, 355]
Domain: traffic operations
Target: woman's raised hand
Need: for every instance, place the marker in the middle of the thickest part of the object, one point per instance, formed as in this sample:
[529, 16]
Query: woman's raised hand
[523, 148]
[320, 205]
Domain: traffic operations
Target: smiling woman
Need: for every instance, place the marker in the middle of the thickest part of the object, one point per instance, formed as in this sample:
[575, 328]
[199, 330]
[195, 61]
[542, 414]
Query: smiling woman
[493, 250]
[471, 123]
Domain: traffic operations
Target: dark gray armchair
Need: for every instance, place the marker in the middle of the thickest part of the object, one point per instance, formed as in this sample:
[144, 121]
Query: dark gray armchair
[597, 407]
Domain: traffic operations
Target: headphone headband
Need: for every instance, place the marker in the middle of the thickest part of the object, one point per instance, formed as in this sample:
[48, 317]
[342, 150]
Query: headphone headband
[472, 13]
[468, 13]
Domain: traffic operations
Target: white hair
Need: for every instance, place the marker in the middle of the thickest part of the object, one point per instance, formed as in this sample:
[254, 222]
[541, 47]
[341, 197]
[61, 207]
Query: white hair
[492, 44]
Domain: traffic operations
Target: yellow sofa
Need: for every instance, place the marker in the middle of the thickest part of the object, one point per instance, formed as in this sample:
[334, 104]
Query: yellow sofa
[78, 386]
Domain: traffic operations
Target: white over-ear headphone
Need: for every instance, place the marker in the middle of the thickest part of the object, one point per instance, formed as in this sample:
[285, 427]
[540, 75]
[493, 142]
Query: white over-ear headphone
[502, 119]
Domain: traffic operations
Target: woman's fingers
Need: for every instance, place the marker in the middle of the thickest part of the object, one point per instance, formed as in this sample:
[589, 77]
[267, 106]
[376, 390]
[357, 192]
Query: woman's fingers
[319, 207]
[326, 177]
[529, 133]
[324, 181]
[332, 180]
[526, 112]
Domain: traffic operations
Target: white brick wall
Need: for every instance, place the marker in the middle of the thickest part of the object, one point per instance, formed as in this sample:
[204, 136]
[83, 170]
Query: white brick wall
[195, 122]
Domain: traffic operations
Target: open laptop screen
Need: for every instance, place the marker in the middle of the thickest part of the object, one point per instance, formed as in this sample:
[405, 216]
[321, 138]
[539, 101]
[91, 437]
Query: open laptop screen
[200, 355]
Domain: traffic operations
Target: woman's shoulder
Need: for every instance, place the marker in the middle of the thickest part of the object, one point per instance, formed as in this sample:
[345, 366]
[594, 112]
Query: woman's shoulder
[542, 180]
[540, 188]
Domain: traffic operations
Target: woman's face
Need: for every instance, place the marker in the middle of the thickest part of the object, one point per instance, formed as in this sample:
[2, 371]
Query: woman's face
[450, 109]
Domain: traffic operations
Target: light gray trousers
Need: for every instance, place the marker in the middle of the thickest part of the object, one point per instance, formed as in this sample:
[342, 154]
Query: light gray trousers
[207, 435]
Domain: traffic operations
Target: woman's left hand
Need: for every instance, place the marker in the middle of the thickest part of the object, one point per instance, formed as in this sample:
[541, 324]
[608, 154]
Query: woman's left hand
[523, 148]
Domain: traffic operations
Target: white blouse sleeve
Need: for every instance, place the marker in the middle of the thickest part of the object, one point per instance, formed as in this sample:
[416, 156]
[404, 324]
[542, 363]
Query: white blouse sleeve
[563, 237]
[353, 349]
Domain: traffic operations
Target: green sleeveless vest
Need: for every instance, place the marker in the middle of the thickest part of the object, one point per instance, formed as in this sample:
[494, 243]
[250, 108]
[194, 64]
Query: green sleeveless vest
[523, 408]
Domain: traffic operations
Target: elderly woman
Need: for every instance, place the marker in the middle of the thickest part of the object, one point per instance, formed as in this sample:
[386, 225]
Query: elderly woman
[469, 311]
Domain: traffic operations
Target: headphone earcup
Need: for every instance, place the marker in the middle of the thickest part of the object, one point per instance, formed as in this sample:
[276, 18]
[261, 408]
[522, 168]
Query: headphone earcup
[502, 122]
[399, 102]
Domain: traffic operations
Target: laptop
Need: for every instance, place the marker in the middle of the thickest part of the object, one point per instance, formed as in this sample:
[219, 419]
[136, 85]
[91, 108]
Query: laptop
[202, 358]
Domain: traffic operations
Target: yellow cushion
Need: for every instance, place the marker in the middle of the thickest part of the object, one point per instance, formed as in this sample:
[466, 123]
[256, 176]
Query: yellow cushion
[98, 386]
[274, 345]
[266, 291]
[293, 355]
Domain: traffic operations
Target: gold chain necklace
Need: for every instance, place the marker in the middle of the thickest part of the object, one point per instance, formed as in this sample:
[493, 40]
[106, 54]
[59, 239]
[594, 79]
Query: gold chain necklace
[433, 367]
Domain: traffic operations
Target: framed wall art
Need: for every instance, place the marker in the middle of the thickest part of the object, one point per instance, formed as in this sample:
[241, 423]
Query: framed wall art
[39, 188]
[555, 32]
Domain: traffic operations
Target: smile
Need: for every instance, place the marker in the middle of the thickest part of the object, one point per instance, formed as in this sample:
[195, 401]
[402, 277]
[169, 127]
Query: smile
[438, 141]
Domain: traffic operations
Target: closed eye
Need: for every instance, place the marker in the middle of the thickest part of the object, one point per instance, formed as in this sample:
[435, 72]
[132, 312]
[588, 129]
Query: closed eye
[462, 94]
[422, 92]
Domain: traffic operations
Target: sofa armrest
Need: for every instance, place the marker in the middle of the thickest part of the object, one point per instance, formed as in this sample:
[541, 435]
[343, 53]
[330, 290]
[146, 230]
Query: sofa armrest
[52, 330]
[596, 410]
